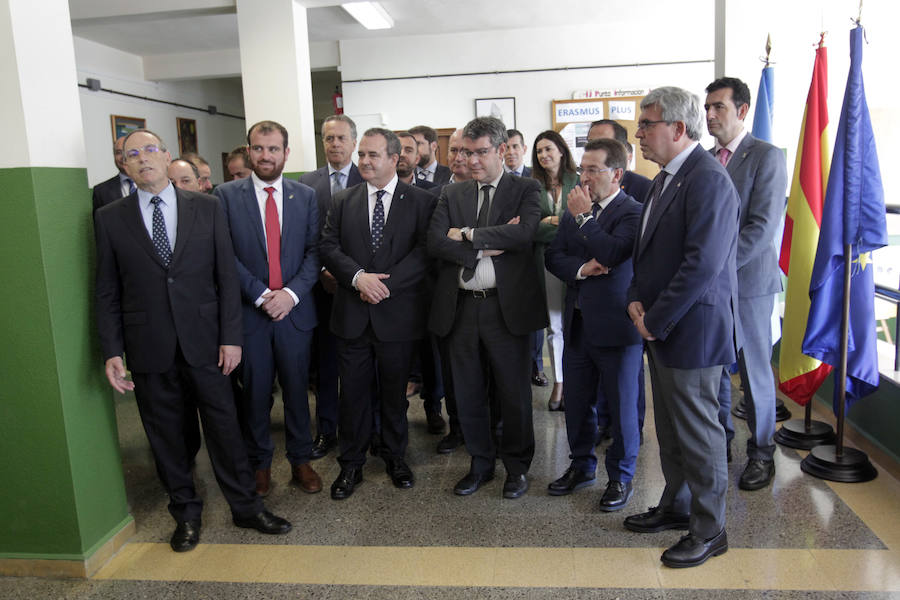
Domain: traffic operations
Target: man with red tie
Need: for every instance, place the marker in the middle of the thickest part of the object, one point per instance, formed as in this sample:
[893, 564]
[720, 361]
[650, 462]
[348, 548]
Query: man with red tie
[274, 226]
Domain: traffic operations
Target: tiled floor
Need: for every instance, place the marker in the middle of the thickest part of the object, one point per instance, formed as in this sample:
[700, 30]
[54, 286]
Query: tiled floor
[800, 538]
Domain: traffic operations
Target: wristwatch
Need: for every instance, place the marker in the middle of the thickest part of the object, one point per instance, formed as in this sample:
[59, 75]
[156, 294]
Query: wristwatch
[465, 232]
[583, 217]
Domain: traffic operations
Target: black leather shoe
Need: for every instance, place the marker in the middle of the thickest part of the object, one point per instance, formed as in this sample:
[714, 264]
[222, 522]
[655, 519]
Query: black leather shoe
[325, 443]
[655, 520]
[571, 480]
[450, 442]
[435, 422]
[264, 522]
[515, 486]
[186, 536]
[400, 473]
[616, 496]
[757, 474]
[691, 551]
[469, 484]
[539, 379]
[345, 483]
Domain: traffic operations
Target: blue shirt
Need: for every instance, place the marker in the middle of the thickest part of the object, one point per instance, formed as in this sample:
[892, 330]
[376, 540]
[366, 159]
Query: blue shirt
[169, 208]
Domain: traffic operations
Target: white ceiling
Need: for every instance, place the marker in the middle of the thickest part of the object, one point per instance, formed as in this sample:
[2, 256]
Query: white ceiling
[182, 26]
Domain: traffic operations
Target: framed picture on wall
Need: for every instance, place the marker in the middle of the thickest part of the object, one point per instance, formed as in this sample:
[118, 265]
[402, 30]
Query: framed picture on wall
[502, 108]
[187, 135]
[124, 125]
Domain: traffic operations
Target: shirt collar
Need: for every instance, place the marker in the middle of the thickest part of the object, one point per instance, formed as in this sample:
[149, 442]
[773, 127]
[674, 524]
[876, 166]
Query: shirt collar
[430, 168]
[389, 188]
[260, 186]
[167, 196]
[605, 202]
[733, 144]
[675, 164]
[345, 170]
[493, 183]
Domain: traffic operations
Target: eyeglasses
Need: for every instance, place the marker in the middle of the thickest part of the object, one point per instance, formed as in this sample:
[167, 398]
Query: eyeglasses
[645, 124]
[591, 171]
[135, 153]
[480, 152]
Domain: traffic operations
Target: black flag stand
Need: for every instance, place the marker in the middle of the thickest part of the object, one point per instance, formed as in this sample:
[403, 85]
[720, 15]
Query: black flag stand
[835, 462]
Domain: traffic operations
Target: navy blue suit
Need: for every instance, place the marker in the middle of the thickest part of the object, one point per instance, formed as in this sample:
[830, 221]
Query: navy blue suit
[602, 347]
[636, 185]
[324, 348]
[686, 279]
[270, 346]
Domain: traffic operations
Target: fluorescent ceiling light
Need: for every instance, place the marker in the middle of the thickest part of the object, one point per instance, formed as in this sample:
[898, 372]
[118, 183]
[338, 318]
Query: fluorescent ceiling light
[370, 14]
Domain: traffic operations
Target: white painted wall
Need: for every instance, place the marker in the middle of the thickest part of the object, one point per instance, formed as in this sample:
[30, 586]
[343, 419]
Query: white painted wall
[123, 72]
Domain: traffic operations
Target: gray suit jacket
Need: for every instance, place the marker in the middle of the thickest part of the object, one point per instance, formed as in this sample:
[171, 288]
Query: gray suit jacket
[759, 174]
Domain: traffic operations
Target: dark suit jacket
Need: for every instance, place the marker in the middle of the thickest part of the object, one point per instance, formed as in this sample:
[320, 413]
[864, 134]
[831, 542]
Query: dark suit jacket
[107, 191]
[602, 298]
[441, 174]
[319, 181]
[299, 253]
[521, 298]
[684, 266]
[759, 174]
[345, 249]
[636, 185]
[143, 308]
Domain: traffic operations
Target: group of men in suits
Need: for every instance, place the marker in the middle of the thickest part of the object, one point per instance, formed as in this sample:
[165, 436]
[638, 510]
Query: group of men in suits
[184, 282]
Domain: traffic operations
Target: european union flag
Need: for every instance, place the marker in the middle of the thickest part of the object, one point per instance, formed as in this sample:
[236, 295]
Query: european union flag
[765, 103]
[853, 214]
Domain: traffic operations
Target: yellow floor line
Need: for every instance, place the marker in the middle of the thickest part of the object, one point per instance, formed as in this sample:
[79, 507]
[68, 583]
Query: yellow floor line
[739, 568]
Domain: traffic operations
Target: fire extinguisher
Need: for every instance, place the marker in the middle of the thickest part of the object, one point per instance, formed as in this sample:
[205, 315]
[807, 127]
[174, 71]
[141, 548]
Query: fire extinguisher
[338, 101]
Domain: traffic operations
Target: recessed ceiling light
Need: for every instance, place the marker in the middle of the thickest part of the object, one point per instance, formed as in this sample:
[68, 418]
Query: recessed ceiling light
[370, 14]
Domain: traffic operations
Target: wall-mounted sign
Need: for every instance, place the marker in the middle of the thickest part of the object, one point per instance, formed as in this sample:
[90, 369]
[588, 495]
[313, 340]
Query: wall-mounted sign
[577, 112]
[611, 93]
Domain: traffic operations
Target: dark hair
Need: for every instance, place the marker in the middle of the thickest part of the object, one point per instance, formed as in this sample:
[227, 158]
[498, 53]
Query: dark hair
[740, 93]
[566, 162]
[486, 126]
[342, 119]
[393, 142]
[406, 134]
[615, 152]
[619, 132]
[426, 132]
[192, 157]
[511, 133]
[239, 152]
[162, 144]
[269, 127]
[189, 163]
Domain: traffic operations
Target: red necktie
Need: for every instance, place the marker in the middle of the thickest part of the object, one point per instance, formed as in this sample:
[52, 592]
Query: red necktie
[273, 241]
[723, 155]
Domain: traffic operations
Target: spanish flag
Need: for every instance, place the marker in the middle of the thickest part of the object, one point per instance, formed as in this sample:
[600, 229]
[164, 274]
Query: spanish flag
[800, 375]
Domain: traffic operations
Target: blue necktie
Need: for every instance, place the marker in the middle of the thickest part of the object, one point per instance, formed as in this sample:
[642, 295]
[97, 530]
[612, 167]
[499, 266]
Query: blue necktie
[160, 237]
[378, 221]
[131, 187]
[336, 183]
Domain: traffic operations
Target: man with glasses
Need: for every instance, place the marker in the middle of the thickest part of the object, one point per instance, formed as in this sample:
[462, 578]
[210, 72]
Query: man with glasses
[168, 298]
[487, 301]
[117, 186]
[592, 254]
[274, 226]
[682, 300]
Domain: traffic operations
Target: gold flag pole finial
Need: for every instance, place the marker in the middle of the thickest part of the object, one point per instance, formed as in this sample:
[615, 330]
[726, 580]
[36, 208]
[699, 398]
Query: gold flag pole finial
[768, 48]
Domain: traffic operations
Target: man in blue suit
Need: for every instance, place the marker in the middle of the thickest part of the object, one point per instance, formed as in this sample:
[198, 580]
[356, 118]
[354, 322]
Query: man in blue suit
[592, 254]
[683, 300]
[339, 173]
[274, 226]
[758, 171]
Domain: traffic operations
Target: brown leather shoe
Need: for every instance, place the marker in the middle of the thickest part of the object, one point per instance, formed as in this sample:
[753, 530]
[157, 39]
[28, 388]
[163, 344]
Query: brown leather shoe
[263, 482]
[306, 478]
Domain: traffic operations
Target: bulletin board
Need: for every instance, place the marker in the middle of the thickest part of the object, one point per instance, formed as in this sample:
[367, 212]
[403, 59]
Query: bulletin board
[573, 118]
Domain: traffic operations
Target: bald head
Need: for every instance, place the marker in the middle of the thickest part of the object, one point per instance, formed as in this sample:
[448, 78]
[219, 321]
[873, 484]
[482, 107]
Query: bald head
[457, 161]
[184, 175]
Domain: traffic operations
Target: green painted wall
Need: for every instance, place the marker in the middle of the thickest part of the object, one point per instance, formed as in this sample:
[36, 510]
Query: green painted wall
[61, 472]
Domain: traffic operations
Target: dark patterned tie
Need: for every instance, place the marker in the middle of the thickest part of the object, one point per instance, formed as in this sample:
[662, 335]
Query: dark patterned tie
[595, 210]
[336, 183]
[467, 273]
[378, 221]
[160, 237]
[131, 187]
[653, 197]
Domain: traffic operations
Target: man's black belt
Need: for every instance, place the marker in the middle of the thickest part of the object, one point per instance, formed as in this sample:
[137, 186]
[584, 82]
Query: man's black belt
[478, 293]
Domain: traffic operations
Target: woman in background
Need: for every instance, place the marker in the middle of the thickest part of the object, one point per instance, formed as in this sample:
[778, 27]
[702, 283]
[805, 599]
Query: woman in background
[552, 165]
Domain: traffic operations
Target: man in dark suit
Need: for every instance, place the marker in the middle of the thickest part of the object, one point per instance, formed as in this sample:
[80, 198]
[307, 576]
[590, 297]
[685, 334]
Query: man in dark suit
[683, 300]
[167, 296]
[760, 177]
[274, 226]
[374, 244]
[633, 184]
[339, 173]
[516, 150]
[592, 254]
[487, 301]
[117, 186]
[429, 169]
